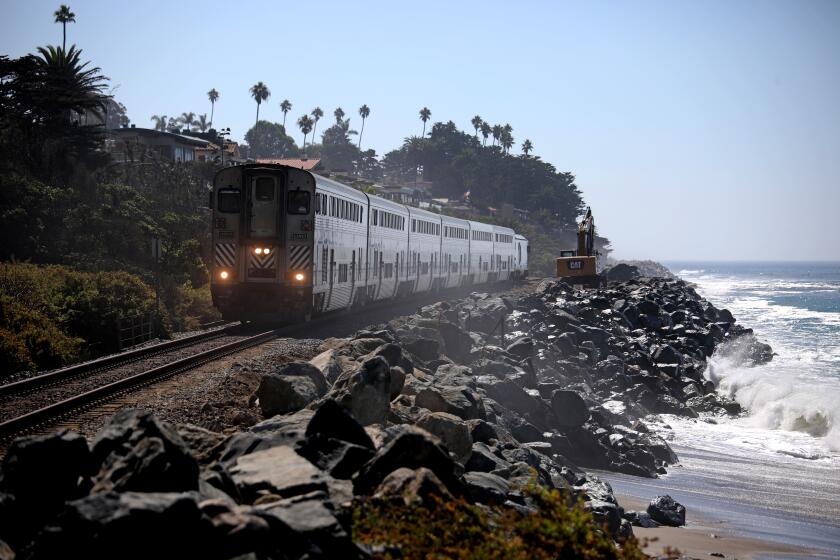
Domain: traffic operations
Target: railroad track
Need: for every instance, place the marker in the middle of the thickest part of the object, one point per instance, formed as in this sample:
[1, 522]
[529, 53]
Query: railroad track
[48, 398]
[52, 401]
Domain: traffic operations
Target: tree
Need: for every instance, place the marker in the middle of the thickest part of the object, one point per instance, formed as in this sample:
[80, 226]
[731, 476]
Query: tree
[364, 112]
[497, 133]
[317, 113]
[425, 115]
[339, 114]
[269, 140]
[202, 123]
[506, 138]
[63, 15]
[160, 122]
[260, 93]
[187, 119]
[285, 106]
[486, 129]
[305, 124]
[476, 122]
[527, 146]
[213, 96]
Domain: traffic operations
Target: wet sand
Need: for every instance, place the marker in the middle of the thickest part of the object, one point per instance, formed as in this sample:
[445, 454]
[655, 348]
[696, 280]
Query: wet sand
[702, 537]
[758, 507]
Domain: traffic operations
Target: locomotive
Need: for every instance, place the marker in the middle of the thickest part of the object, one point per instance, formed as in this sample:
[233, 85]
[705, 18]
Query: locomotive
[289, 244]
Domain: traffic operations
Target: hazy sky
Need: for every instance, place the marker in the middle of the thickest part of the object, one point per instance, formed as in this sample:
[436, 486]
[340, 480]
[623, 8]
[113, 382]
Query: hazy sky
[696, 130]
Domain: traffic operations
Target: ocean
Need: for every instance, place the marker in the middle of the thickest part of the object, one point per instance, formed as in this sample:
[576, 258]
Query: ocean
[772, 473]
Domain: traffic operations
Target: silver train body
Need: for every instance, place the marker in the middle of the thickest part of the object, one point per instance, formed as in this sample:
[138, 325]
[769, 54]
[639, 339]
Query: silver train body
[288, 244]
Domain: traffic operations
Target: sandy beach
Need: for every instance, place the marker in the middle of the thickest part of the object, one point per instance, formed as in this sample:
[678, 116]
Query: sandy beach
[756, 507]
[702, 537]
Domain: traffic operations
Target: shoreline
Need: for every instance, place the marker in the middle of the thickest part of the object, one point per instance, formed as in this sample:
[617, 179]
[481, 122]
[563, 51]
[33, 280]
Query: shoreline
[703, 536]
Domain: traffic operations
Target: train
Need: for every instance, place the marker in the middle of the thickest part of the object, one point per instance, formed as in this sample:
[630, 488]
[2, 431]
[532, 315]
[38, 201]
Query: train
[288, 244]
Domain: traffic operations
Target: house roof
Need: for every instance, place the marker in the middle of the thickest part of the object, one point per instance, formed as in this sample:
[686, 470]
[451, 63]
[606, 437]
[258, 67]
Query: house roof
[305, 164]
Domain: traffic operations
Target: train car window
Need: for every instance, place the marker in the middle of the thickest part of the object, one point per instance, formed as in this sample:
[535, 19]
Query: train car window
[342, 273]
[228, 200]
[324, 257]
[297, 202]
[264, 190]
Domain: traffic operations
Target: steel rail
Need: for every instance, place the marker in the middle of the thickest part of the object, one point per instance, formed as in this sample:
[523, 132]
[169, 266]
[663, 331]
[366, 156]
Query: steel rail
[20, 424]
[108, 362]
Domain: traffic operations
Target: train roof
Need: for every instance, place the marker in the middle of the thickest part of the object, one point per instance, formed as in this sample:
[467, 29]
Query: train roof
[321, 181]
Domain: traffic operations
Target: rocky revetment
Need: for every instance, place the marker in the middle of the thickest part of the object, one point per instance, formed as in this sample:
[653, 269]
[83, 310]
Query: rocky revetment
[477, 406]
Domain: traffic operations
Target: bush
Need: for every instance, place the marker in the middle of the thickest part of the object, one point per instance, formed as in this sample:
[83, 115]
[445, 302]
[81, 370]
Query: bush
[455, 529]
[53, 315]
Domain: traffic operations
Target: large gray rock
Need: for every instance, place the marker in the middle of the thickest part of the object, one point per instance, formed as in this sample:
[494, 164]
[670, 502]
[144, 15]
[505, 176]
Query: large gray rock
[486, 488]
[412, 448]
[569, 409]
[128, 525]
[281, 394]
[452, 431]
[141, 453]
[279, 471]
[366, 391]
[316, 533]
[458, 400]
[665, 510]
[411, 486]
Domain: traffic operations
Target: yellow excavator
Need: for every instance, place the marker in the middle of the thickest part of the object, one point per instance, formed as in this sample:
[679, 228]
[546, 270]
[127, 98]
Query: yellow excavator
[580, 266]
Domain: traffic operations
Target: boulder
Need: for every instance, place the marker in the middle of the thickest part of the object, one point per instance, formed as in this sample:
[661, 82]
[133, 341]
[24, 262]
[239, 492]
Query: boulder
[138, 452]
[412, 448]
[281, 394]
[452, 431]
[486, 488]
[640, 519]
[329, 364]
[334, 421]
[570, 410]
[664, 510]
[279, 471]
[521, 348]
[482, 459]
[130, 525]
[458, 400]
[315, 530]
[411, 486]
[366, 391]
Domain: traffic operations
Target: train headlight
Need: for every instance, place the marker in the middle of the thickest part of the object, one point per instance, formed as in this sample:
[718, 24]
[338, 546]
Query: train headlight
[299, 276]
[224, 275]
[258, 250]
[266, 251]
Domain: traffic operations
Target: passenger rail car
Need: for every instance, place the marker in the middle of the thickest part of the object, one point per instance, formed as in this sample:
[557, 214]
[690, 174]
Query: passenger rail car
[288, 244]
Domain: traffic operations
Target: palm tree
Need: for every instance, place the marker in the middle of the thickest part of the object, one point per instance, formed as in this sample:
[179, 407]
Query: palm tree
[160, 122]
[339, 114]
[285, 106]
[213, 96]
[476, 122]
[317, 113]
[527, 146]
[260, 93]
[507, 138]
[485, 131]
[63, 15]
[187, 119]
[497, 133]
[202, 123]
[425, 115]
[73, 87]
[364, 112]
[305, 123]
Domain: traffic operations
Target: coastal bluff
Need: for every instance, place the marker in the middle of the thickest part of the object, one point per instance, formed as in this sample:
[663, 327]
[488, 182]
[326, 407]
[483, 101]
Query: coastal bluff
[475, 401]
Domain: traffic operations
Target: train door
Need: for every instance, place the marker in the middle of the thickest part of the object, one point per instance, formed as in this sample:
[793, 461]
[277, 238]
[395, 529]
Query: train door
[263, 211]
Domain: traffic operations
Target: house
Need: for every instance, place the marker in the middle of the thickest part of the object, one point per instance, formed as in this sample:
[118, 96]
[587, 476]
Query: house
[307, 164]
[136, 144]
[229, 153]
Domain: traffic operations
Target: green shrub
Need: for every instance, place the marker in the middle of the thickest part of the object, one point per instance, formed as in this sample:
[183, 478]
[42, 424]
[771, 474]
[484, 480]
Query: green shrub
[59, 315]
[561, 529]
[194, 307]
